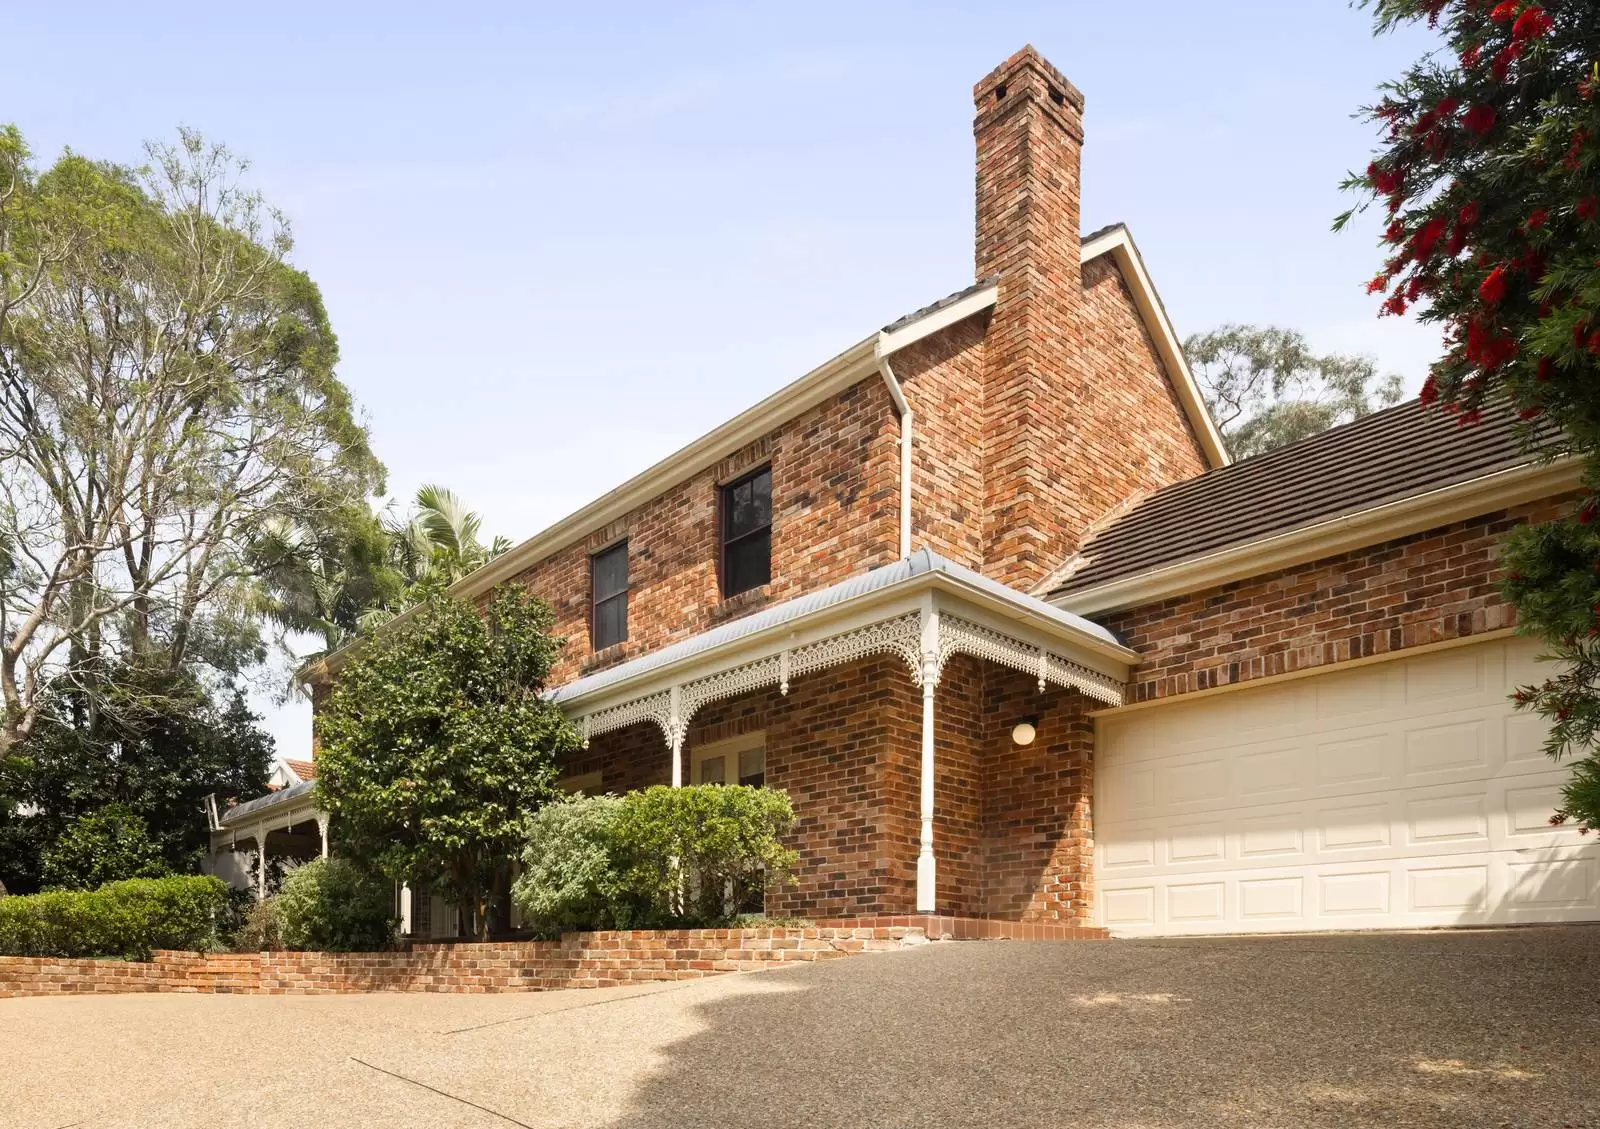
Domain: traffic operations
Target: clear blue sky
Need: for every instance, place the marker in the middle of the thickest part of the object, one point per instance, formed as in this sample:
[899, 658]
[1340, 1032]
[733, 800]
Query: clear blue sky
[560, 241]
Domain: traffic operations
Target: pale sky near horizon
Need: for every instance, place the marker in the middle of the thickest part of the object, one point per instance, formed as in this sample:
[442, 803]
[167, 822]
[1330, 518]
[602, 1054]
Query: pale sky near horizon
[558, 242]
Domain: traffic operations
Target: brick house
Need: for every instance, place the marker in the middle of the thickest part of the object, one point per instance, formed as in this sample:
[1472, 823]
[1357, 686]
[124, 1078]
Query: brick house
[985, 596]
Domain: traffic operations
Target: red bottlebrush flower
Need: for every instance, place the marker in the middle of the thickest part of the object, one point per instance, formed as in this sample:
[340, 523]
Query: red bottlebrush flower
[1458, 241]
[1504, 12]
[1424, 123]
[1479, 119]
[1586, 512]
[1446, 107]
[1415, 288]
[1593, 344]
[1532, 24]
[1396, 305]
[1427, 238]
[1469, 212]
[1580, 137]
[1387, 182]
[1493, 288]
[1487, 350]
[1587, 208]
[1579, 331]
[1469, 57]
[1538, 218]
[1396, 233]
[1430, 391]
[1470, 419]
[1502, 62]
[1530, 413]
[1377, 284]
[1547, 369]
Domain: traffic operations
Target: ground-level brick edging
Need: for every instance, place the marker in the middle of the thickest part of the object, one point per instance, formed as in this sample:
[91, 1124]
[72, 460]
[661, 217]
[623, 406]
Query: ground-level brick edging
[577, 960]
[944, 927]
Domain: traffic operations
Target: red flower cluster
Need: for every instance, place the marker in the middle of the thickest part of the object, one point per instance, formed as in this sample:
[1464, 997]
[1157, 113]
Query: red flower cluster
[1538, 218]
[1493, 288]
[1547, 368]
[1469, 57]
[1388, 182]
[1479, 119]
[1587, 208]
[1508, 55]
[1427, 238]
[1430, 391]
[1487, 349]
[1580, 138]
[1532, 24]
[1504, 12]
[1469, 213]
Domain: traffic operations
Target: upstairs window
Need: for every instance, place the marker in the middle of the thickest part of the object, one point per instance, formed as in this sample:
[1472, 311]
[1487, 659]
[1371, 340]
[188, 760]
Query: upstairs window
[747, 532]
[609, 583]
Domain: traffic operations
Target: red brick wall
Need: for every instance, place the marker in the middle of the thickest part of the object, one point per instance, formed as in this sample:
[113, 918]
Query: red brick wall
[1431, 586]
[835, 497]
[1077, 413]
[942, 379]
[577, 960]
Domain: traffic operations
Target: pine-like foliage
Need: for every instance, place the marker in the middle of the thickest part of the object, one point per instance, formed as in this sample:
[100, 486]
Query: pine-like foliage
[1490, 175]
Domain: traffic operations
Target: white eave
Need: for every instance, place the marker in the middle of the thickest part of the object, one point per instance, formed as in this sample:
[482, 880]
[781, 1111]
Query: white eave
[1354, 530]
[1118, 243]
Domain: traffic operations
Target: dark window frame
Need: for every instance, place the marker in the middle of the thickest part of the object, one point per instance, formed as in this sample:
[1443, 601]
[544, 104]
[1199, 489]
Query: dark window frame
[597, 599]
[727, 543]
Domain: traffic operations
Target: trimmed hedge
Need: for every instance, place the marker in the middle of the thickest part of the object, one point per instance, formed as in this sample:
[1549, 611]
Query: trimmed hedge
[125, 919]
[337, 906]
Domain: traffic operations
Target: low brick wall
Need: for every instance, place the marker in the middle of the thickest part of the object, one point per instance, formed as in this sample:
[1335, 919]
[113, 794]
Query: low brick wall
[577, 960]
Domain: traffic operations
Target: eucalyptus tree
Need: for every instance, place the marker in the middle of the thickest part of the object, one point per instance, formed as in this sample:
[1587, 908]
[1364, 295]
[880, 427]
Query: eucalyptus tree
[168, 405]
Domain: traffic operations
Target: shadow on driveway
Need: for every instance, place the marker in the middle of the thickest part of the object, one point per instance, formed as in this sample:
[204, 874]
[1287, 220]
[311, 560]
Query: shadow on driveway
[1483, 1028]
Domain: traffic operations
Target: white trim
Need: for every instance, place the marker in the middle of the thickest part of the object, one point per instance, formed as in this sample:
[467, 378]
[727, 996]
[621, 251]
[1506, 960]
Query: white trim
[893, 340]
[1119, 243]
[1371, 526]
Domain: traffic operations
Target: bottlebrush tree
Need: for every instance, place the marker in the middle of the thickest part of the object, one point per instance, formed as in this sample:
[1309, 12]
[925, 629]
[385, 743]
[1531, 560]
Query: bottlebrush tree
[1489, 174]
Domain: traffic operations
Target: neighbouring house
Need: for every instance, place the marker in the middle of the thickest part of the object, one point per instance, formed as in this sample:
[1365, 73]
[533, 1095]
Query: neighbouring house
[286, 773]
[985, 596]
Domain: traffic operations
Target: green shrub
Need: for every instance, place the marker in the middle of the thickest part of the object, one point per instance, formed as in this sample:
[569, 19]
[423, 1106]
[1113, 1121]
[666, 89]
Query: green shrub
[261, 930]
[121, 919]
[102, 846]
[661, 857]
[569, 879]
[336, 905]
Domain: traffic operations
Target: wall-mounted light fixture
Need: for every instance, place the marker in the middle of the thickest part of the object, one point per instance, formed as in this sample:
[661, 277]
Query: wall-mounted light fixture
[1025, 730]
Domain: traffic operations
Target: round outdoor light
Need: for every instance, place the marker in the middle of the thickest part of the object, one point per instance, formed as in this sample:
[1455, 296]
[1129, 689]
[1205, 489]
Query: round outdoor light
[1024, 733]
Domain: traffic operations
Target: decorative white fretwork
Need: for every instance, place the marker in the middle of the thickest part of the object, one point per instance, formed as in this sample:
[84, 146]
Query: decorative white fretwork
[653, 707]
[900, 636]
[726, 684]
[959, 636]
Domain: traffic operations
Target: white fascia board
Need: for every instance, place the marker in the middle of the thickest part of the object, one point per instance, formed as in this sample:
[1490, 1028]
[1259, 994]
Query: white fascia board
[931, 323]
[1119, 244]
[1527, 483]
[873, 607]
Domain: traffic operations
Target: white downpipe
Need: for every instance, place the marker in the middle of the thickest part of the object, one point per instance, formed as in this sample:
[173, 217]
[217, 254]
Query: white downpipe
[903, 409]
[927, 871]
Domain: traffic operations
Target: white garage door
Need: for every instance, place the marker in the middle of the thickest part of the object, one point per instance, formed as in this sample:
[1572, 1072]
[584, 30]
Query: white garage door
[1398, 794]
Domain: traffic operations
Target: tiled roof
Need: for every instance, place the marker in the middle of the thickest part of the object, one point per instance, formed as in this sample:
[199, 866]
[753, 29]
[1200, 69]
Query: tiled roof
[935, 307]
[305, 770]
[1393, 454]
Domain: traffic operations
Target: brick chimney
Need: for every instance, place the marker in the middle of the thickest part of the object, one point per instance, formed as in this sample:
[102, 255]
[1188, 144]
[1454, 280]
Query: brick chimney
[1029, 132]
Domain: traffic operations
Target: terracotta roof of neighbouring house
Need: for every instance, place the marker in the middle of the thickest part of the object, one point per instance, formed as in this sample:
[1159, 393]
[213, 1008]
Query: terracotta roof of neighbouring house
[305, 770]
[1397, 453]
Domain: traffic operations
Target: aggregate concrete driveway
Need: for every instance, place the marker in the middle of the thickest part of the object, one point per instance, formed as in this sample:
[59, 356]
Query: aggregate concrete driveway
[1489, 1028]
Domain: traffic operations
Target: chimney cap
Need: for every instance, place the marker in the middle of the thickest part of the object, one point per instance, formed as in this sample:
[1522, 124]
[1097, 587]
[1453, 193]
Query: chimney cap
[1025, 74]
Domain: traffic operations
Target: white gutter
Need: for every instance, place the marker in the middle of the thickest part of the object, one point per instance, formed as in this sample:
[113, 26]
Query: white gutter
[1444, 506]
[906, 418]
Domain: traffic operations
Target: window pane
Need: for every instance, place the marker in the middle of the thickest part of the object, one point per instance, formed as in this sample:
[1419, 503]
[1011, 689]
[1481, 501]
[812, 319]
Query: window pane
[749, 563]
[611, 572]
[711, 771]
[611, 622]
[761, 488]
[747, 506]
[753, 767]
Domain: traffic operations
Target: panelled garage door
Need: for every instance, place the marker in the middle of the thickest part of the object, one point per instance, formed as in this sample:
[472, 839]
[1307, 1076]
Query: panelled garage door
[1398, 794]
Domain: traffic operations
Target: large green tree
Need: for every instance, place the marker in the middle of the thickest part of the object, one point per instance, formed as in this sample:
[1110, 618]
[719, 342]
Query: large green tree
[437, 742]
[1488, 176]
[1266, 388]
[168, 410]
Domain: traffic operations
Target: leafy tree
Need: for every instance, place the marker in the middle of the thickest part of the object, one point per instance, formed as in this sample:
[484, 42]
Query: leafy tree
[164, 746]
[437, 743]
[1489, 175]
[168, 407]
[1266, 388]
[102, 846]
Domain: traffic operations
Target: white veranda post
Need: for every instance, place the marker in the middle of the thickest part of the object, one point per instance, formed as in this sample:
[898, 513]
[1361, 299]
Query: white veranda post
[322, 830]
[261, 863]
[927, 878]
[675, 729]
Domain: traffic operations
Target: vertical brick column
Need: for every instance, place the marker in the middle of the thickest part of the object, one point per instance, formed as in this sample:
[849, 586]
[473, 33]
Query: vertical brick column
[1029, 134]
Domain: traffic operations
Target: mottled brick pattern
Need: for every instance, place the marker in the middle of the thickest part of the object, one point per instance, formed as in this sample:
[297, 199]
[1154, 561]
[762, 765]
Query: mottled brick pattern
[1431, 586]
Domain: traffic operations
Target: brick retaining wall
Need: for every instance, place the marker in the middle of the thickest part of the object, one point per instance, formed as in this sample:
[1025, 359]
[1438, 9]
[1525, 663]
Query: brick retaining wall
[577, 960]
